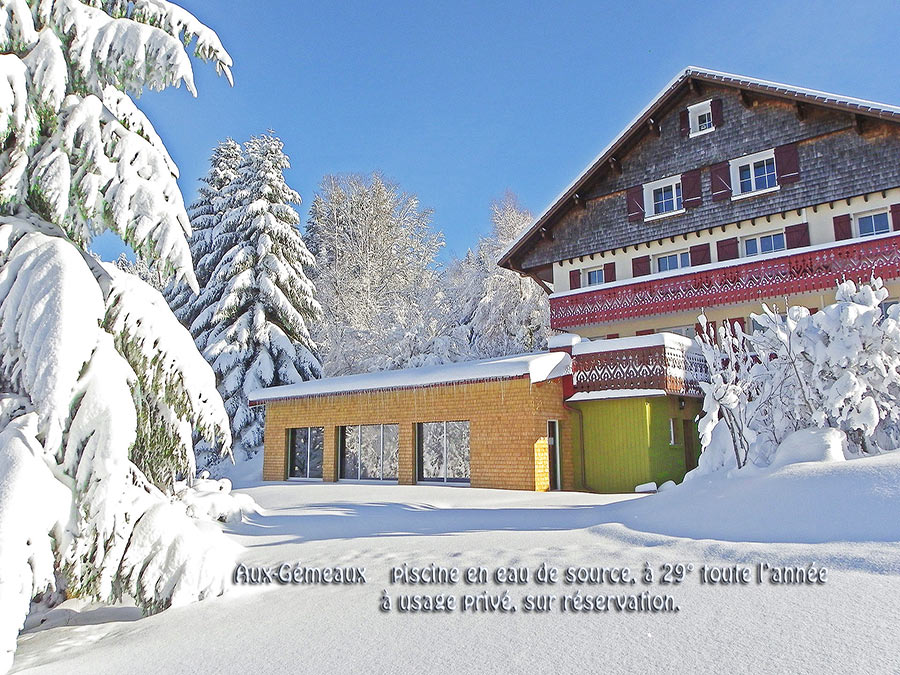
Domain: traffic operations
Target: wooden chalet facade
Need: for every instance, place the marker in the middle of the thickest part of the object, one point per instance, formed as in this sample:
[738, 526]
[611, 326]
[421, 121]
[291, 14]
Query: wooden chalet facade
[723, 193]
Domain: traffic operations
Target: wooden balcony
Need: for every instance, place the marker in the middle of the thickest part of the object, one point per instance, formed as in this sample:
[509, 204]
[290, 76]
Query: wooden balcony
[810, 269]
[654, 362]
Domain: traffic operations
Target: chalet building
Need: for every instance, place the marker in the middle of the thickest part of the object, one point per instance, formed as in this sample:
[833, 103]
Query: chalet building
[723, 193]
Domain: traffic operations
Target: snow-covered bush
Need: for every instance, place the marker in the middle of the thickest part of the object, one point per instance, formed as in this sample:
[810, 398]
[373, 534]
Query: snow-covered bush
[100, 387]
[838, 368]
[213, 499]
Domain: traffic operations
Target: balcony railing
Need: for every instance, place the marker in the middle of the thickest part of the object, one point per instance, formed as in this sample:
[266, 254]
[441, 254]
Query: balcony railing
[789, 273]
[662, 361]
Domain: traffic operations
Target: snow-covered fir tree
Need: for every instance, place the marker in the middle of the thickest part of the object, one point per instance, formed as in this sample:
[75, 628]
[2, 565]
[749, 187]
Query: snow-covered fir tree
[375, 273]
[500, 311]
[205, 215]
[259, 303]
[100, 386]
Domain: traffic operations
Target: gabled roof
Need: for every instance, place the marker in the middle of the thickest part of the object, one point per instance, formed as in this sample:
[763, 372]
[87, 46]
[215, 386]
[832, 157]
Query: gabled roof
[640, 125]
[537, 367]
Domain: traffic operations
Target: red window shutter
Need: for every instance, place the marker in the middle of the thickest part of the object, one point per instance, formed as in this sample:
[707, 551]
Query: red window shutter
[895, 216]
[648, 331]
[612, 336]
[842, 228]
[699, 254]
[727, 249]
[640, 266]
[787, 164]
[609, 272]
[715, 107]
[796, 236]
[711, 325]
[720, 181]
[685, 123]
[634, 201]
[574, 279]
[690, 189]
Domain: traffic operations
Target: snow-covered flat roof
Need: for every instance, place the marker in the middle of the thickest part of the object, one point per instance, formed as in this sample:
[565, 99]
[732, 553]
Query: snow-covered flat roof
[537, 367]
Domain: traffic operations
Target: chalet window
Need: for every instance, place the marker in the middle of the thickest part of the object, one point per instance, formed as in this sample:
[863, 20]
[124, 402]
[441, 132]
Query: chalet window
[663, 197]
[872, 224]
[673, 261]
[766, 243]
[595, 277]
[754, 173]
[667, 199]
[701, 119]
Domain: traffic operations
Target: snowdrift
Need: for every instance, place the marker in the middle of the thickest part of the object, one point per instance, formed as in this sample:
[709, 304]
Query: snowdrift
[810, 502]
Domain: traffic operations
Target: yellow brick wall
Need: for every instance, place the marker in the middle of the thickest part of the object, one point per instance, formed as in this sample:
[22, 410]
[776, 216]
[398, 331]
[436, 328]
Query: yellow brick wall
[506, 420]
[542, 464]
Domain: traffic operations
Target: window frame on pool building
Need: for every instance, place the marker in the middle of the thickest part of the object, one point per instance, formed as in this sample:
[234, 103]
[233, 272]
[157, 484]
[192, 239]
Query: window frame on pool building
[293, 436]
[393, 437]
[464, 430]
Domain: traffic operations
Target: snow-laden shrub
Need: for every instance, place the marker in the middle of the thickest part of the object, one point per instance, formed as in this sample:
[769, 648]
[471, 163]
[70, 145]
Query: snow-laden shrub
[173, 559]
[214, 500]
[100, 387]
[838, 368]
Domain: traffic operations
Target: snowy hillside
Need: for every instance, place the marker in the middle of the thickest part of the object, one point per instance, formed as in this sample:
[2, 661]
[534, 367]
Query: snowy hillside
[840, 515]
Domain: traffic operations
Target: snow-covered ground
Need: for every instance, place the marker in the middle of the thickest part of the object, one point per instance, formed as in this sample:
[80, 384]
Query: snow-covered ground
[842, 516]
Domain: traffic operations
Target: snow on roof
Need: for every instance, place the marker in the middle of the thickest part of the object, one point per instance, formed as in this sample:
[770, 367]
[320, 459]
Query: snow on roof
[614, 393]
[814, 96]
[633, 342]
[538, 367]
[563, 340]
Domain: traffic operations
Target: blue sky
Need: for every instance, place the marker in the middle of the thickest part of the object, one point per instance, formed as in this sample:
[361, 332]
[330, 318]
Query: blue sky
[460, 101]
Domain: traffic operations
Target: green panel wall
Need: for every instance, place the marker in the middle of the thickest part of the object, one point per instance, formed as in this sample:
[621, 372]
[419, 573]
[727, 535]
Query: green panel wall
[627, 442]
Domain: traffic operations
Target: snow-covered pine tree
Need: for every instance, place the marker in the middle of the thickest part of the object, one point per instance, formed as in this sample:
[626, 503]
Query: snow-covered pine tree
[100, 387]
[142, 270]
[375, 272]
[205, 214]
[262, 303]
[502, 312]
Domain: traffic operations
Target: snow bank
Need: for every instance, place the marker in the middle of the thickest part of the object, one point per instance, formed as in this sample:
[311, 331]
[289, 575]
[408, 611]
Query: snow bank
[810, 502]
[33, 507]
[810, 445]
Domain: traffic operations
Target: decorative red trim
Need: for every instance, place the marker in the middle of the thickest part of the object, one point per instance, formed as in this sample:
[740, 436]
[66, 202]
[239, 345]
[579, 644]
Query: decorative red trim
[801, 272]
